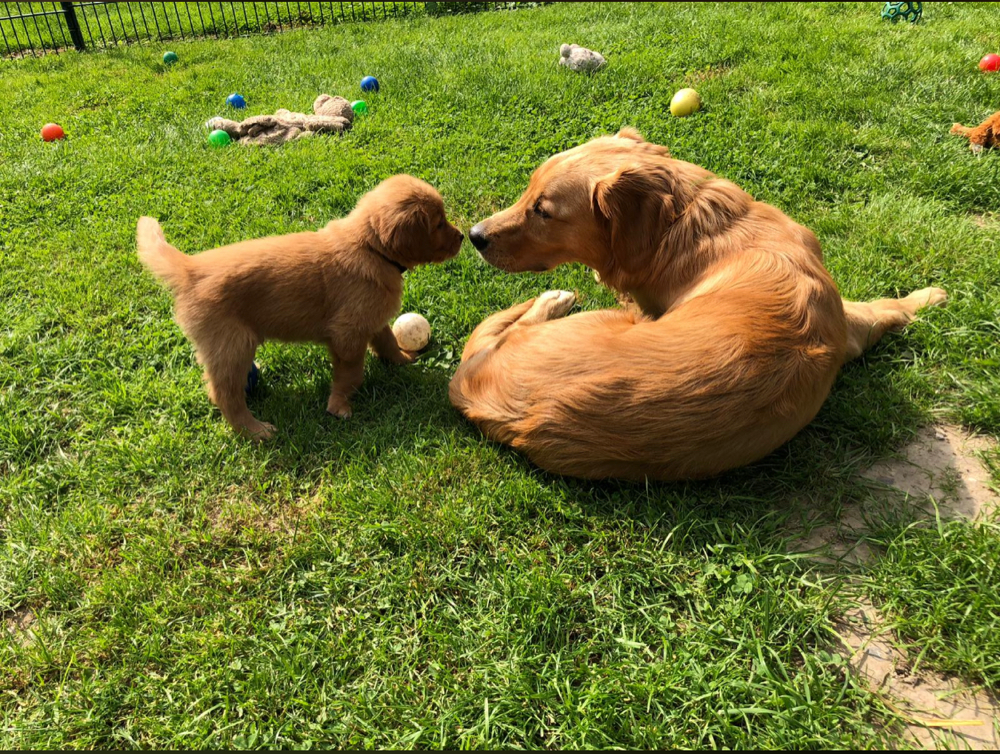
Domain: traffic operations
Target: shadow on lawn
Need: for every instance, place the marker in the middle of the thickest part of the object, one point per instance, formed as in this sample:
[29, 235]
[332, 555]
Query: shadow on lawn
[868, 415]
[393, 407]
[815, 476]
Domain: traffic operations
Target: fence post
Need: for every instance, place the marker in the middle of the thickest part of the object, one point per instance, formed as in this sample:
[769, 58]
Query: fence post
[74, 26]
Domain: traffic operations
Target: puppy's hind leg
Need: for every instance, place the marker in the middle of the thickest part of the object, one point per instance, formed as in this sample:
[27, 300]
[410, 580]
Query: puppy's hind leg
[227, 362]
[348, 374]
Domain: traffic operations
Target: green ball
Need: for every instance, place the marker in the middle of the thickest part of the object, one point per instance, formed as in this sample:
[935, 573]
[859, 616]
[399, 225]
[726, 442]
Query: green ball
[218, 138]
[170, 57]
[902, 11]
[359, 106]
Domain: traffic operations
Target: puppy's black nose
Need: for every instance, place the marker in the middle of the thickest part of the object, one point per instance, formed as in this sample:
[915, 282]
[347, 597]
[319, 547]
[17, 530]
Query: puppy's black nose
[478, 238]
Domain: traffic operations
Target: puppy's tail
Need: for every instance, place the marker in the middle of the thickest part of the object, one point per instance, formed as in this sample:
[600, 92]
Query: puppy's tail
[961, 130]
[163, 260]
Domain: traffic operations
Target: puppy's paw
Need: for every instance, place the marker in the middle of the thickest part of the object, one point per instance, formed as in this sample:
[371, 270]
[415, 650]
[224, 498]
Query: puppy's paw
[260, 431]
[402, 357]
[339, 407]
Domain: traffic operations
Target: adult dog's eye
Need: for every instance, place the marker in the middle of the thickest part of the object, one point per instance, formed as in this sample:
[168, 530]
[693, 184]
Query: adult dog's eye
[541, 212]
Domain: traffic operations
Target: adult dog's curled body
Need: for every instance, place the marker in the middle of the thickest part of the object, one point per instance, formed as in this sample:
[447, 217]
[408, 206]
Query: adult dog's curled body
[738, 338]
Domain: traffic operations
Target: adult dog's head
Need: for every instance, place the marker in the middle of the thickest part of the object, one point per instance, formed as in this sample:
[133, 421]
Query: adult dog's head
[606, 203]
[408, 222]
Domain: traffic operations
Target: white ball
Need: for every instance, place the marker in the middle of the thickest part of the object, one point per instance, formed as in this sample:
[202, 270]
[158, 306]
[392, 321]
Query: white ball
[412, 331]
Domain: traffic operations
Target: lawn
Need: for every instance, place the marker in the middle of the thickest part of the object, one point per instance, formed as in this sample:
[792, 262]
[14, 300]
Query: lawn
[395, 579]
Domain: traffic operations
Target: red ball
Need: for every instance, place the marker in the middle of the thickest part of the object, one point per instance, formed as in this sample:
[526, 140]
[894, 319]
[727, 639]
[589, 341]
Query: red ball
[990, 62]
[52, 131]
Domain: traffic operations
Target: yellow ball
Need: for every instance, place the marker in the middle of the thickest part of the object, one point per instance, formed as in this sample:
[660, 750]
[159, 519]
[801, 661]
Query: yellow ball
[685, 102]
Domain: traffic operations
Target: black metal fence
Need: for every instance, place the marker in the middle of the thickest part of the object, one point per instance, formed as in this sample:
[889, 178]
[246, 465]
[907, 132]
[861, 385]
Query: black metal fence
[30, 29]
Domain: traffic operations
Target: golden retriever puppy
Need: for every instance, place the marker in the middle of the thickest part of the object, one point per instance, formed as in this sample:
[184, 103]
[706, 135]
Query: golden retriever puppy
[737, 337]
[338, 286]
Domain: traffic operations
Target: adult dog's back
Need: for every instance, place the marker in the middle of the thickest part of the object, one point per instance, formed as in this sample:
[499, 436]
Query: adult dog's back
[739, 338]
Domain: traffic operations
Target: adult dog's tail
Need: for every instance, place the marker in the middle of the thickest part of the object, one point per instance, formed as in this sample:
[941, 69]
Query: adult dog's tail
[163, 260]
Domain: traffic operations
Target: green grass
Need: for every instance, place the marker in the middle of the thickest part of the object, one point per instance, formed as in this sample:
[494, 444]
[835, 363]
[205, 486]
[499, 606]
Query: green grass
[395, 579]
[942, 586]
[31, 29]
[111, 24]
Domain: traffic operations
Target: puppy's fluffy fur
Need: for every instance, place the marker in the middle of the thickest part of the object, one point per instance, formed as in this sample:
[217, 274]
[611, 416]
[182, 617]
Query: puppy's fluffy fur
[738, 337]
[338, 286]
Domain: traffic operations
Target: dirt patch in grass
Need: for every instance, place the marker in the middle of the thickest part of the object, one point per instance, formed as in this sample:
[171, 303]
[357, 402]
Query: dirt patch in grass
[694, 78]
[18, 625]
[940, 712]
[237, 512]
[940, 466]
[942, 463]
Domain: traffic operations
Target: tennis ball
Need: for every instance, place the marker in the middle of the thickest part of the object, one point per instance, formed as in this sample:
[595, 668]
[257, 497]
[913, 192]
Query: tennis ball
[412, 331]
[685, 102]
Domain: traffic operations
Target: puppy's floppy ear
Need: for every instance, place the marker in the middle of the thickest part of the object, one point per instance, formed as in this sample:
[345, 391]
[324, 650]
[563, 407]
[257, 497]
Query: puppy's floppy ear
[636, 205]
[403, 229]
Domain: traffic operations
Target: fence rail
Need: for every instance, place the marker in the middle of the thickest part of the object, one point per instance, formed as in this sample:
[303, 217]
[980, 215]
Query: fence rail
[31, 29]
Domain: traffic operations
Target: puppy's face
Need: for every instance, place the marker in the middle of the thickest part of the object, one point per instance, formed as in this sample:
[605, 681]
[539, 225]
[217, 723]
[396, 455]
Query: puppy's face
[560, 217]
[409, 222]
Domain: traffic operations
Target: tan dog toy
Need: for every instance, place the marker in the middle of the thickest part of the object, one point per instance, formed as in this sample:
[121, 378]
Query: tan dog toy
[983, 136]
[332, 115]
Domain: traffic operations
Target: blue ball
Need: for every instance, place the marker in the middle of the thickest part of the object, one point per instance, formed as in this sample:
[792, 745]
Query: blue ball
[237, 101]
[369, 84]
[252, 378]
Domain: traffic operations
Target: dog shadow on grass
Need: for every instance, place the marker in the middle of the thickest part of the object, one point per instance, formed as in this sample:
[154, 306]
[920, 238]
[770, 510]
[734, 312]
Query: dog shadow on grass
[393, 406]
[818, 487]
[863, 463]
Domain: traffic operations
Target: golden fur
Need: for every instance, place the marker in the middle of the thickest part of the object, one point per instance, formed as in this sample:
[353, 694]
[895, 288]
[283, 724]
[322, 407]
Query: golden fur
[737, 338]
[984, 136]
[338, 286]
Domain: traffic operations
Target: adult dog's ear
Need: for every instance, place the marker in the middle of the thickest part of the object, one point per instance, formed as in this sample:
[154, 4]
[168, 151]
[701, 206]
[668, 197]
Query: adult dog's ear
[630, 133]
[402, 231]
[636, 206]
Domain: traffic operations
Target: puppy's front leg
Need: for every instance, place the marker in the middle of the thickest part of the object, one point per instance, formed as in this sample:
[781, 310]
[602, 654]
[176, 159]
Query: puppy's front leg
[385, 346]
[348, 374]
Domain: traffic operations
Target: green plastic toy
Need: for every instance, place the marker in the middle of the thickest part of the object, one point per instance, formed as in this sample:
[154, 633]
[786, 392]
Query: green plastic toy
[359, 107]
[906, 11]
[219, 138]
[169, 57]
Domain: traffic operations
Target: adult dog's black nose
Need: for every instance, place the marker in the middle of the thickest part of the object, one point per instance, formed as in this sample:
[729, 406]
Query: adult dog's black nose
[478, 238]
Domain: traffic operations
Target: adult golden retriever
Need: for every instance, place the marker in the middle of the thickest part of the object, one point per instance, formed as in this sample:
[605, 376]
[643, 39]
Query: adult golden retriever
[739, 338]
